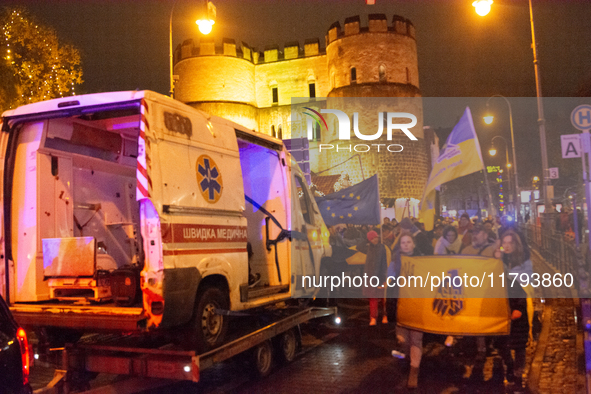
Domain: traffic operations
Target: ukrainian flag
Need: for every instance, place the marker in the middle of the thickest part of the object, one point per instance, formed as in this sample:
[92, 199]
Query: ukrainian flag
[460, 156]
[453, 308]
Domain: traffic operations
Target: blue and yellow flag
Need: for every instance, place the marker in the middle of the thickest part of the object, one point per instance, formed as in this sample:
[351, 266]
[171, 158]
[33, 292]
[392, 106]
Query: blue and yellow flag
[457, 295]
[460, 156]
[358, 204]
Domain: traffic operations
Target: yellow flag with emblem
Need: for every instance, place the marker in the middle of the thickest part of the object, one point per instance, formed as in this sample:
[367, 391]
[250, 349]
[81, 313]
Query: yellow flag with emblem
[456, 295]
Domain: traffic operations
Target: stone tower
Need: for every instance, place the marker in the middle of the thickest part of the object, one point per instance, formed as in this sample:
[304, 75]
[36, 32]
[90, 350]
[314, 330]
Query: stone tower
[255, 89]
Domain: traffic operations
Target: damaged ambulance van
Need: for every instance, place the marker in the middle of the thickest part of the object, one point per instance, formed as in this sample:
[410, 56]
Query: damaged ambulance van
[131, 210]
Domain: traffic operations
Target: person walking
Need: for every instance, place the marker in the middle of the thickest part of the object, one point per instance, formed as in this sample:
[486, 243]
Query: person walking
[376, 264]
[419, 238]
[480, 246]
[449, 242]
[514, 259]
[411, 341]
[465, 229]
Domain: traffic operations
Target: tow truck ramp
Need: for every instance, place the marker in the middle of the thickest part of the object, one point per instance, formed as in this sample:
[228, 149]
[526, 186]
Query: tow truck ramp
[163, 363]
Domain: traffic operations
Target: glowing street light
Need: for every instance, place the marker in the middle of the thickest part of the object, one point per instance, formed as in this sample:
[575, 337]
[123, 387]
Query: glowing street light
[482, 7]
[207, 19]
[536, 178]
[488, 119]
[205, 26]
[492, 151]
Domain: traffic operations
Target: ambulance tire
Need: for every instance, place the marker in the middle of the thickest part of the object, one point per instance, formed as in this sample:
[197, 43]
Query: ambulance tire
[209, 328]
[263, 358]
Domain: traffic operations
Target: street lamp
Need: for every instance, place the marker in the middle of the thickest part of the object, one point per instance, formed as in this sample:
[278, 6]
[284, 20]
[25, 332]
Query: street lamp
[493, 151]
[207, 18]
[489, 121]
[205, 24]
[484, 5]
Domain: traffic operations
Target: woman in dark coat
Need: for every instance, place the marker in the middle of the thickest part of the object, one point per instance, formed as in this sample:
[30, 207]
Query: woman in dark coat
[411, 341]
[376, 264]
[515, 261]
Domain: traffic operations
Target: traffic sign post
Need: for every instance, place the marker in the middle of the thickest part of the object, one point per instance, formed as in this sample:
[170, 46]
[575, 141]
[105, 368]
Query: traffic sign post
[571, 145]
[581, 117]
[581, 120]
[586, 161]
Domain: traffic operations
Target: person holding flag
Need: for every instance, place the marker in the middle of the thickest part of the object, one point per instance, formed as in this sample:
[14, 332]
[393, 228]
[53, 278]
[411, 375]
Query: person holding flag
[460, 156]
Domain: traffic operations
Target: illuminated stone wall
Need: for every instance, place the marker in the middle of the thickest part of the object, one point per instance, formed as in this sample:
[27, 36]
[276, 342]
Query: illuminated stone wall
[236, 82]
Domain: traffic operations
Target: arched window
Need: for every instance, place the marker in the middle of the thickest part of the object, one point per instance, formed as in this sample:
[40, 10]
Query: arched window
[382, 73]
[279, 133]
[273, 133]
[353, 75]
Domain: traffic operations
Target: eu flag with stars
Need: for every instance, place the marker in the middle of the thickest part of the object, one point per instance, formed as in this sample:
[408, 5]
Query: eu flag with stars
[358, 204]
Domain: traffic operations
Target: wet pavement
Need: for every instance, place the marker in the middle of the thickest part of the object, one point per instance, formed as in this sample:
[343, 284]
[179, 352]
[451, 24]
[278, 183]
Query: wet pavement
[354, 357]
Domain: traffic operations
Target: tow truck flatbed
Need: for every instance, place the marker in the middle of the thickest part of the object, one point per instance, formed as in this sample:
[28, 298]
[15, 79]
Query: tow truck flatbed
[104, 317]
[118, 354]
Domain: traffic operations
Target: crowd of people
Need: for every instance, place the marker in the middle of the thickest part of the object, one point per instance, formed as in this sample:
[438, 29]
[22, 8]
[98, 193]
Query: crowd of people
[488, 238]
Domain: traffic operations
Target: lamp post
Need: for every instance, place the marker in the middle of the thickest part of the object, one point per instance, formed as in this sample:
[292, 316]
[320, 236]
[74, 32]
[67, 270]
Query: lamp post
[205, 24]
[170, 54]
[488, 120]
[482, 7]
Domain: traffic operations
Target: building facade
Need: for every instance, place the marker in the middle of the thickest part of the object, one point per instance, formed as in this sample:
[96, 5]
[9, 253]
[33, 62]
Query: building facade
[255, 89]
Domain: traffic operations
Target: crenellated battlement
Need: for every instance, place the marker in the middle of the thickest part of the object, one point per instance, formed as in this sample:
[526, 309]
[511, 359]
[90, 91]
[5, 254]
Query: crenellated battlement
[377, 23]
[270, 54]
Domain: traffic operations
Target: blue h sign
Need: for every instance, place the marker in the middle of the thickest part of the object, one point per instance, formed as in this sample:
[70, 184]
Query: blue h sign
[581, 117]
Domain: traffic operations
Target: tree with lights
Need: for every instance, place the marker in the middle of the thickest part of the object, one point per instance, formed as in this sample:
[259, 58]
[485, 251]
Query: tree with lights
[35, 66]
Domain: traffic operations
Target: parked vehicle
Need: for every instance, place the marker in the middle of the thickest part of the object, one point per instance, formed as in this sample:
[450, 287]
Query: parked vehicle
[131, 211]
[14, 354]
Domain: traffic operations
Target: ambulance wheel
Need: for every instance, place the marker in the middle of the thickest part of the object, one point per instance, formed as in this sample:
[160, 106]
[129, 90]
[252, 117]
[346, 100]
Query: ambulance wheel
[263, 358]
[209, 327]
[288, 345]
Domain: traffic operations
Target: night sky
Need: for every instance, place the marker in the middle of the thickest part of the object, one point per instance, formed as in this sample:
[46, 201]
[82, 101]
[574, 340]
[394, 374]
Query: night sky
[124, 44]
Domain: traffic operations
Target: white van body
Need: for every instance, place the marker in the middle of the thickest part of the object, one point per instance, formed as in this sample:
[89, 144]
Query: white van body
[104, 182]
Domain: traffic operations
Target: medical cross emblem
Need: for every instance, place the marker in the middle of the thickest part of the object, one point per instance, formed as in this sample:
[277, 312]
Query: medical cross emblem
[209, 179]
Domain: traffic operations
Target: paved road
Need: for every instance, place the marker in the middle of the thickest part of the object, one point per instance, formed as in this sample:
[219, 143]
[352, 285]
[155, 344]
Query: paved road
[357, 358]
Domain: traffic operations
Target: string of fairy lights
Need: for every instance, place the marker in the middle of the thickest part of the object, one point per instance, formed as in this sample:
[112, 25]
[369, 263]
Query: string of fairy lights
[33, 54]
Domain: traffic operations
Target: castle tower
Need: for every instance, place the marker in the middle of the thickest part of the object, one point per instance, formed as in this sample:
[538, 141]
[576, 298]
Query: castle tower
[220, 81]
[377, 61]
[255, 89]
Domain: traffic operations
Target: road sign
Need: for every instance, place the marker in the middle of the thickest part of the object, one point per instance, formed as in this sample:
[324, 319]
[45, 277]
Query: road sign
[571, 145]
[581, 117]
[553, 172]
